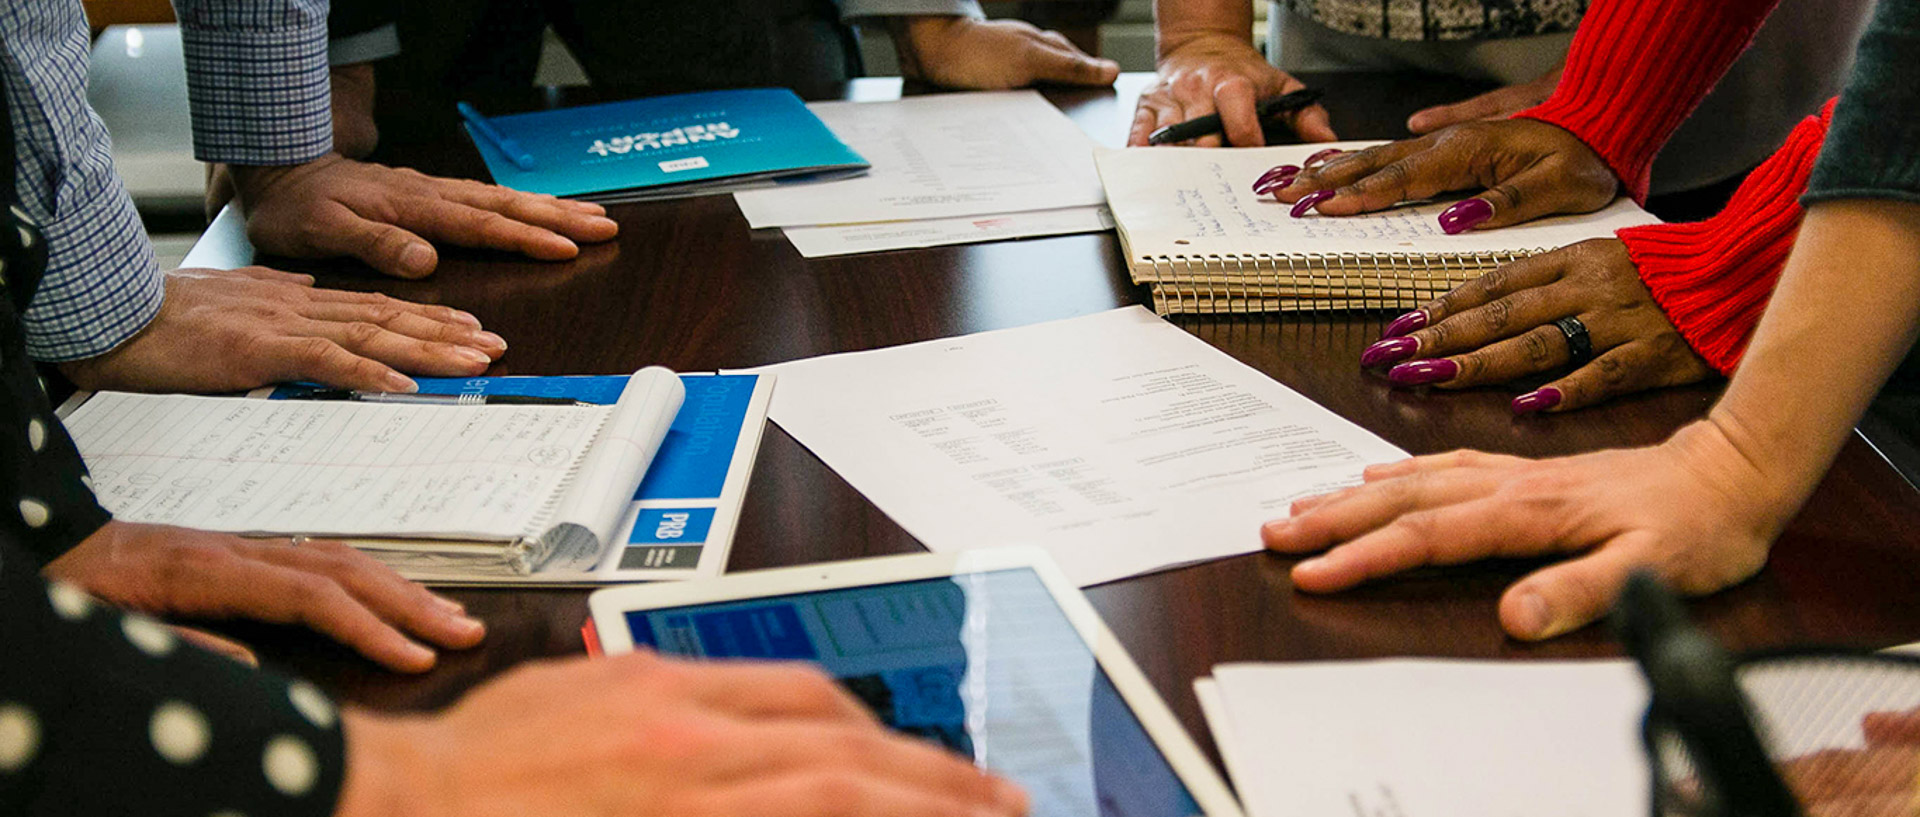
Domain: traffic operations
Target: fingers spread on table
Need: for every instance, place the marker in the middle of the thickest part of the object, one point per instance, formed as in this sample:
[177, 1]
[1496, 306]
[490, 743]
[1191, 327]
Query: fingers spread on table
[396, 317]
[1366, 508]
[371, 340]
[377, 587]
[1569, 595]
[1625, 369]
[1471, 524]
[557, 215]
[289, 359]
[258, 589]
[1345, 169]
[1503, 281]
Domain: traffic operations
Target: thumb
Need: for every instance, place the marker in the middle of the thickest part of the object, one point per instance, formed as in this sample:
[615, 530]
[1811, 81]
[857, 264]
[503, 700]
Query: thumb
[1490, 105]
[384, 247]
[1047, 62]
[1567, 596]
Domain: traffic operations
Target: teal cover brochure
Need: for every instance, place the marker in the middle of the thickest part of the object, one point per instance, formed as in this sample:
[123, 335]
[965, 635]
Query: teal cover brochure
[666, 146]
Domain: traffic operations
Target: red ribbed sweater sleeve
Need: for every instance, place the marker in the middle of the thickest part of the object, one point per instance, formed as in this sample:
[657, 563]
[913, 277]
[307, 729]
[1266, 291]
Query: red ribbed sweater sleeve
[1638, 67]
[1713, 277]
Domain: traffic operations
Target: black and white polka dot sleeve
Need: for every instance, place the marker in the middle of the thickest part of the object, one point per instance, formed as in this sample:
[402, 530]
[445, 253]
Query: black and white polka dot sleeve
[107, 713]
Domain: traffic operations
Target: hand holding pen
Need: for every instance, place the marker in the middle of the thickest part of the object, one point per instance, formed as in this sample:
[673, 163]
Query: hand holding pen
[1223, 75]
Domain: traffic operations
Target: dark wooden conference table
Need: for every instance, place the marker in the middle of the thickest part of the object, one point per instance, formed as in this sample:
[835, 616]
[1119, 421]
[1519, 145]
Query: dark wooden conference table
[689, 286]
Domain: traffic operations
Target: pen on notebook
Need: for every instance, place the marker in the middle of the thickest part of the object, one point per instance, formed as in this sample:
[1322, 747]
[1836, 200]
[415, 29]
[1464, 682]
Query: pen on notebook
[485, 130]
[465, 399]
[1210, 124]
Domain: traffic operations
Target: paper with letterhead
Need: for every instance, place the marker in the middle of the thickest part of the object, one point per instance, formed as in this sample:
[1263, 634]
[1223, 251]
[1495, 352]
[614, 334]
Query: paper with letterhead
[941, 156]
[852, 239]
[1200, 202]
[1117, 441]
[1421, 738]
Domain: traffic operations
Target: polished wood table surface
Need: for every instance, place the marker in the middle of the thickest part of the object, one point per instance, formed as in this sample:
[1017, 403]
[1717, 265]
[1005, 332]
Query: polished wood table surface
[688, 285]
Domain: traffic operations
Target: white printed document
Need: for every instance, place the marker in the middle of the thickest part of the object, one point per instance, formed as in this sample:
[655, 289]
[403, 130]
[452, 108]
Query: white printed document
[1421, 738]
[941, 156]
[1117, 441]
[852, 239]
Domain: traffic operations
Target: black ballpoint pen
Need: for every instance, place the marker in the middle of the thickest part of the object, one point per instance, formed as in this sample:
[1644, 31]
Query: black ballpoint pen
[1210, 124]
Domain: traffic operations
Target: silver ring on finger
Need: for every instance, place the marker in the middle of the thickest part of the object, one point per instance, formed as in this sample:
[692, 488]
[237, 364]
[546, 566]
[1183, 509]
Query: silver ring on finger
[1579, 342]
[298, 540]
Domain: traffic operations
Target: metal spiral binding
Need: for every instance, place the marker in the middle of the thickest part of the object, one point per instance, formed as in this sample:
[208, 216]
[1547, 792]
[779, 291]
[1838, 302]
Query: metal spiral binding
[1261, 282]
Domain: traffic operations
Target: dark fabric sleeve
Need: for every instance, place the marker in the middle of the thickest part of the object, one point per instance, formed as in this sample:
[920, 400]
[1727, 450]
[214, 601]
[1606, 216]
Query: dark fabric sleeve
[1873, 150]
[104, 713]
[45, 503]
[346, 18]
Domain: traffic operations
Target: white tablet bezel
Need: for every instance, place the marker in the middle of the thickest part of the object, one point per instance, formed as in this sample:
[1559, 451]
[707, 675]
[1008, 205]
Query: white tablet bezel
[610, 606]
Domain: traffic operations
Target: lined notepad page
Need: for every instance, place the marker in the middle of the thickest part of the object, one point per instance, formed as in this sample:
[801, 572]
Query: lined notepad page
[331, 468]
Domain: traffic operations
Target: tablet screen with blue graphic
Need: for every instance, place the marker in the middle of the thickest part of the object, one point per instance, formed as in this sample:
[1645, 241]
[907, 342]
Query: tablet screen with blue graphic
[985, 664]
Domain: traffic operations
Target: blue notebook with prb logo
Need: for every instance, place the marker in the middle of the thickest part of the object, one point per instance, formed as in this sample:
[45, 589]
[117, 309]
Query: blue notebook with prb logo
[669, 146]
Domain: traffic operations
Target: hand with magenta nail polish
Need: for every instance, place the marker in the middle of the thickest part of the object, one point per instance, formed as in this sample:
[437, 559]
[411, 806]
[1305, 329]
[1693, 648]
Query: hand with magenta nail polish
[1517, 169]
[231, 330]
[1684, 509]
[1500, 327]
[1219, 73]
[384, 216]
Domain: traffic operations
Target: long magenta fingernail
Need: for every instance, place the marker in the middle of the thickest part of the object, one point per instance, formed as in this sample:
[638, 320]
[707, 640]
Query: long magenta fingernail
[1287, 171]
[1311, 201]
[1321, 157]
[1537, 400]
[1388, 351]
[1422, 372]
[1409, 322]
[1465, 215]
[1269, 184]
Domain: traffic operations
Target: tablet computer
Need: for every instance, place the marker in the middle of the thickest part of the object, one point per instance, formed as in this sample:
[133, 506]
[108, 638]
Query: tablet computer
[991, 653]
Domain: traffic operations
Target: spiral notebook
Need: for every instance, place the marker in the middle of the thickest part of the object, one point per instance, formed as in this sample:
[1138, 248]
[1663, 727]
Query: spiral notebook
[1193, 229]
[503, 489]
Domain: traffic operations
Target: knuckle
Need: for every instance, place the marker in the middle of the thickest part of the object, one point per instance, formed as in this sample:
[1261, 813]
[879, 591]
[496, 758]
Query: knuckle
[316, 351]
[1537, 348]
[361, 333]
[1496, 315]
[1508, 192]
[1473, 367]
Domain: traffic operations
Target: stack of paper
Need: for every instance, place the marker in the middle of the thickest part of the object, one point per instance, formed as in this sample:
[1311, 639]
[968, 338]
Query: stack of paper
[946, 169]
[1117, 441]
[1413, 738]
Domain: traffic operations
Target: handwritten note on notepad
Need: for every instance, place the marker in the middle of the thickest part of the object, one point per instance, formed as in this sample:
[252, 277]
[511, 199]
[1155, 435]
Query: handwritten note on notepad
[1199, 202]
[332, 468]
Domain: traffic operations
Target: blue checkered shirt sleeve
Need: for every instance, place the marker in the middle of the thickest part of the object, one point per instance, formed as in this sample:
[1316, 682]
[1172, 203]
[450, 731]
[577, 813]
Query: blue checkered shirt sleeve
[257, 79]
[102, 284]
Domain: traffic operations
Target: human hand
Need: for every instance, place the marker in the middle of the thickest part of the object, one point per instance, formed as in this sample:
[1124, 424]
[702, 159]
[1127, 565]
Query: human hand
[326, 586]
[643, 736]
[384, 216]
[1525, 168]
[1214, 72]
[1694, 510]
[962, 52]
[229, 330]
[1880, 780]
[1500, 327]
[1498, 103]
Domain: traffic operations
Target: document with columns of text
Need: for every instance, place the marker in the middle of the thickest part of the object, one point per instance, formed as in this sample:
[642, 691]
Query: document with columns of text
[1117, 441]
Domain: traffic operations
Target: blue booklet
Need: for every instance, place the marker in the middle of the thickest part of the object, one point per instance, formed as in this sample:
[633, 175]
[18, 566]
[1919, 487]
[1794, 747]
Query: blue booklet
[681, 522]
[668, 146]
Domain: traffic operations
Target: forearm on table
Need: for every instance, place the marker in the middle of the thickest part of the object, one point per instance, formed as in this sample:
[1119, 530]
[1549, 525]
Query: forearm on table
[1845, 311]
[1177, 22]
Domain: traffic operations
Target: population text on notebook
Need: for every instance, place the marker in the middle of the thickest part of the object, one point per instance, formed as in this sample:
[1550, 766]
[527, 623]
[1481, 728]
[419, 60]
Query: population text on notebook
[1192, 227]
